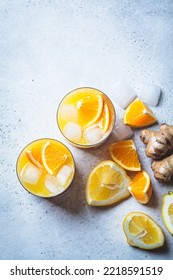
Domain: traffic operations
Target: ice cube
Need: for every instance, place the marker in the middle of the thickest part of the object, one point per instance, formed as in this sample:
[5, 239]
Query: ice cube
[73, 131]
[68, 112]
[30, 174]
[64, 173]
[52, 184]
[123, 95]
[93, 134]
[122, 131]
[150, 94]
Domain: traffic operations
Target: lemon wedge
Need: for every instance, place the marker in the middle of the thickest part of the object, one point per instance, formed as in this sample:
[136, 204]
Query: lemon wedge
[167, 211]
[107, 183]
[142, 231]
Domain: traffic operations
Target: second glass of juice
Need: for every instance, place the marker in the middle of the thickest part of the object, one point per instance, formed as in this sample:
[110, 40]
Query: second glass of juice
[86, 117]
[45, 167]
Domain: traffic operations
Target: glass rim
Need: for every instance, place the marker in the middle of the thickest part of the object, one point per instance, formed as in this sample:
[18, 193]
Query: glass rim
[47, 197]
[86, 145]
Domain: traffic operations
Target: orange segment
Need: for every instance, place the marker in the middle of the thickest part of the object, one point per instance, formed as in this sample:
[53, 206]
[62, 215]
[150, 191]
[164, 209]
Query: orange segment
[89, 109]
[104, 119]
[140, 187]
[124, 153]
[137, 114]
[52, 158]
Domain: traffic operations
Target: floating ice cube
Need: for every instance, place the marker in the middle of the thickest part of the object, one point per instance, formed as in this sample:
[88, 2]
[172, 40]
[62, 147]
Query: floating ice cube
[68, 112]
[123, 95]
[30, 174]
[122, 131]
[93, 134]
[73, 131]
[64, 173]
[52, 184]
[150, 94]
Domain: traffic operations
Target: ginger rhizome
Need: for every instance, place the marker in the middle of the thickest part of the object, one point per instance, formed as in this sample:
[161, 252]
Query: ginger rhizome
[159, 143]
[159, 146]
[163, 169]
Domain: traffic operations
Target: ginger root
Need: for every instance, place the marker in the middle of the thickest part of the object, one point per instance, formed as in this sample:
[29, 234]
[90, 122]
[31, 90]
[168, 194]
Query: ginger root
[163, 169]
[159, 143]
[160, 147]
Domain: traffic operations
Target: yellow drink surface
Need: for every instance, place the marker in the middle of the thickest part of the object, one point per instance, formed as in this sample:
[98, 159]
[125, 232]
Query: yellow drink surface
[36, 148]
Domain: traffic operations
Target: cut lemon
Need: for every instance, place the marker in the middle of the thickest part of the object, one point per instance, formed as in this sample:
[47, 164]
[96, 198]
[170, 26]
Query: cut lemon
[52, 158]
[137, 114]
[35, 158]
[140, 187]
[142, 231]
[89, 109]
[125, 154]
[104, 119]
[167, 211]
[107, 183]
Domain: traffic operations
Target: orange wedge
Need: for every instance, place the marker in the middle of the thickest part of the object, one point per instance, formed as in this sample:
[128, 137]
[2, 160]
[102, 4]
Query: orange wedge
[125, 154]
[52, 158]
[89, 109]
[140, 187]
[104, 119]
[137, 114]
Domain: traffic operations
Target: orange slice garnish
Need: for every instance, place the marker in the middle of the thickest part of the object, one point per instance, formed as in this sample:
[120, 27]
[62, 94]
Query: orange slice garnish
[52, 158]
[89, 109]
[104, 119]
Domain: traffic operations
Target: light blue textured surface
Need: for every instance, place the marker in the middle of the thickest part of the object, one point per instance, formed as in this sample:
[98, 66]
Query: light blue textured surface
[48, 48]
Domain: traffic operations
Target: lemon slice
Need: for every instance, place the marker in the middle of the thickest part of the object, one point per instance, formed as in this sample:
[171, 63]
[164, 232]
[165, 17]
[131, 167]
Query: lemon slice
[52, 158]
[142, 231]
[167, 211]
[107, 183]
[33, 160]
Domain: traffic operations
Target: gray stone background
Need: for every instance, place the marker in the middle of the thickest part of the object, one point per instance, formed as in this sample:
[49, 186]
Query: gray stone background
[48, 48]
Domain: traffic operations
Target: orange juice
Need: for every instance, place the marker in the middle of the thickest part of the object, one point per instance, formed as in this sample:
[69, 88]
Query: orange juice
[86, 117]
[45, 167]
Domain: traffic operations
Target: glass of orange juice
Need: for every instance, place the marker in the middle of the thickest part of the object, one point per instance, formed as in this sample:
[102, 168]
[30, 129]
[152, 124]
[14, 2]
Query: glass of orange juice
[86, 117]
[45, 167]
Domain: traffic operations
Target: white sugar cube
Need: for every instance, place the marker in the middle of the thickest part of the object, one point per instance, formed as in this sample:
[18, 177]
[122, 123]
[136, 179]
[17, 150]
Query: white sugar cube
[122, 131]
[30, 174]
[73, 131]
[68, 112]
[123, 95]
[64, 173]
[52, 184]
[150, 94]
[93, 134]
